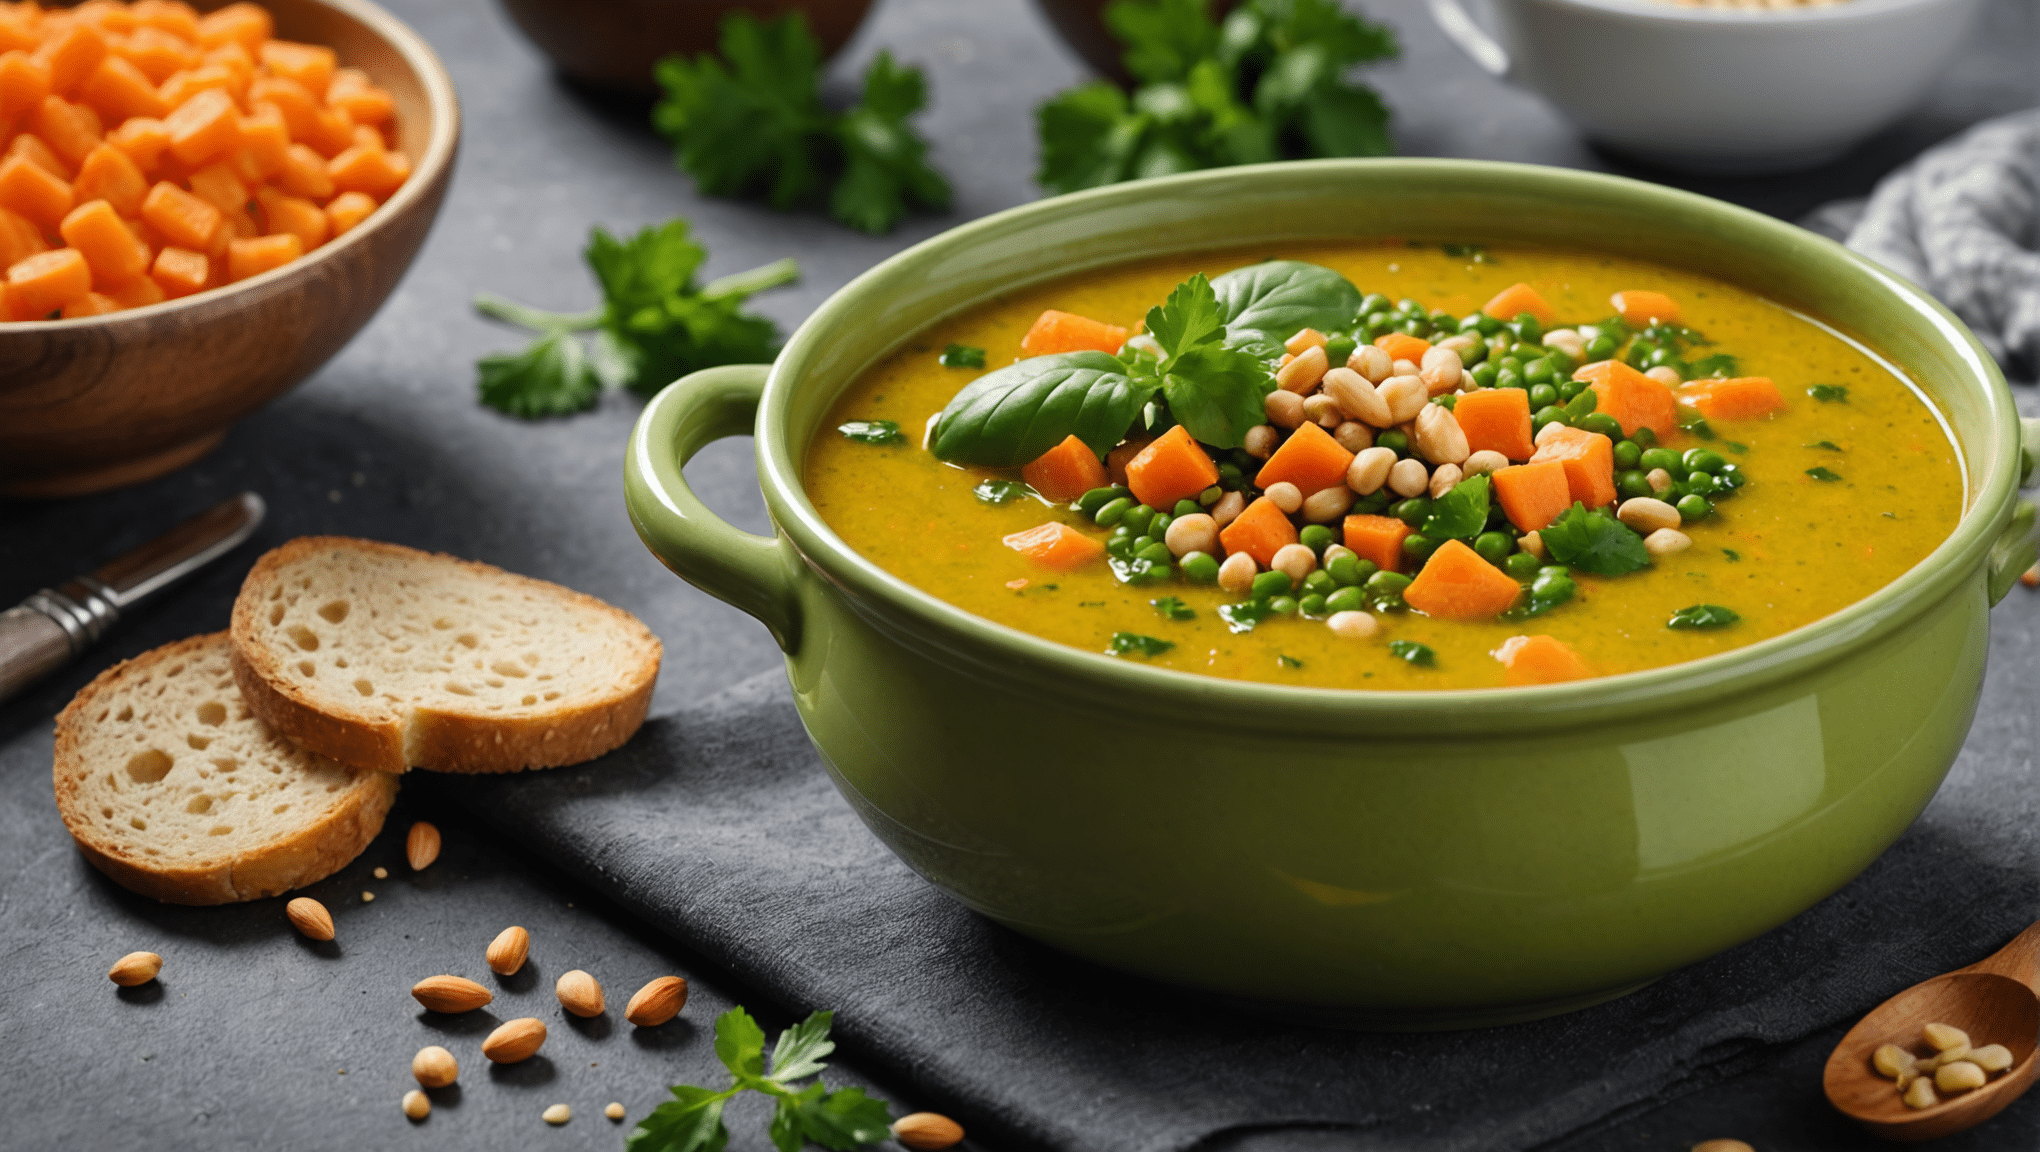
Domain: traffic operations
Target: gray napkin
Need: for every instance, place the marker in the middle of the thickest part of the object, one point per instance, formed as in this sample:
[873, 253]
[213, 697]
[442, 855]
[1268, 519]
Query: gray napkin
[720, 825]
[1963, 221]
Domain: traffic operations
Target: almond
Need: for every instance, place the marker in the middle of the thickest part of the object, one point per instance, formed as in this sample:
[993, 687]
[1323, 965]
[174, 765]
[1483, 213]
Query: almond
[657, 1002]
[135, 968]
[923, 1131]
[435, 1067]
[516, 1040]
[507, 951]
[579, 993]
[417, 1105]
[450, 994]
[310, 917]
[557, 1114]
[421, 847]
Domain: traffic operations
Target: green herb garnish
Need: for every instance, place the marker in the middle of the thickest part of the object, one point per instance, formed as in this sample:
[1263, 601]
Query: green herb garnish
[992, 491]
[1702, 616]
[1827, 444]
[1828, 393]
[1243, 616]
[1594, 542]
[1697, 426]
[1822, 474]
[1471, 253]
[1461, 513]
[1412, 652]
[885, 433]
[962, 356]
[1135, 644]
[1173, 608]
[1720, 366]
[1734, 557]
[1288, 661]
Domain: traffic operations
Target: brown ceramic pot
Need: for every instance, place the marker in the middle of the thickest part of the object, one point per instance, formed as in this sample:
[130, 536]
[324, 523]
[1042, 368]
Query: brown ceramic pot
[612, 44]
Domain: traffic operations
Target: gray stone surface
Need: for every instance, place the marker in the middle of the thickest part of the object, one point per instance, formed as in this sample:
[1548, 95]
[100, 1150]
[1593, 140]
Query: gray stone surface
[242, 1045]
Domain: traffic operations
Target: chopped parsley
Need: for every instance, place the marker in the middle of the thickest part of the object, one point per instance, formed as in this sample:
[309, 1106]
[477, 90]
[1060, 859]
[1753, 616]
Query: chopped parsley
[962, 356]
[1173, 608]
[1822, 474]
[1593, 541]
[1135, 644]
[1414, 653]
[1702, 616]
[1829, 393]
[886, 433]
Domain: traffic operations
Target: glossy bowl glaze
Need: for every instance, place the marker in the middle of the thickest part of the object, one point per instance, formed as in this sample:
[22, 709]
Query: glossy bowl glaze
[1379, 858]
[100, 402]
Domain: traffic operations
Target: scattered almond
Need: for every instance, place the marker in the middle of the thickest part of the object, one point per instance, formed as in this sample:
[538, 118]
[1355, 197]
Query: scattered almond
[310, 917]
[417, 1105]
[135, 968]
[381, 873]
[614, 1111]
[1722, 1146]
[923, 1131]
[435, 1067]
[557, 1114]
[450, 994]
[516, 1040]
[368, 897]
[657, 1002]
[507, 951]
[579, 993]
[421, 846]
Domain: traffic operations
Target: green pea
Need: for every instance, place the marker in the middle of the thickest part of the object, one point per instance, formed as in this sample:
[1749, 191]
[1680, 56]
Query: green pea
[1319, 581]
[1471, 321]
[1345, 600]
[1567, 389]
[1138, 518]
[1230, 476]
[1373, 502]
[1640, 352]
[1317, 538]
[1413, 327]
[1551, 587]
[1644, 437]
[1512, 364]
[1488, 325]
[1528, 328]
[1185, 507]
[1271, 584]
[1729, 479]
[1090, 502]
[1693, 508]
[1583, 403]
[1493, 547]
[1210, 496]
[1600, 347]
[1409, 307]
[1156, 553]
[1561, 362]
[1485, 373]
[1373, 302]
[1393, 441]
[1282, 606]
[1539, 371]
[1664, 356]
[1338, 348]
[1627, 455]
[1159, 526]
[1632, 483]
[1200, 566]
[1387, 583]
[1412, 511]
[1698, 484]
[1704, 460]
[1378, 320]
[1312, 605]
[1656, 458]
[1521, 565]
[1471, 356]
[1551, 415]
[1543, 396]
[1600, 422]
[1509, 378]
[1348, 569]
[1113, 511]
[1120, 547]
[1418, 546]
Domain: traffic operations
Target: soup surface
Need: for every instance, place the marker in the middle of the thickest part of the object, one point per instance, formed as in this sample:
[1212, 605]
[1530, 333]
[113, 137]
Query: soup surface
[1847, 485]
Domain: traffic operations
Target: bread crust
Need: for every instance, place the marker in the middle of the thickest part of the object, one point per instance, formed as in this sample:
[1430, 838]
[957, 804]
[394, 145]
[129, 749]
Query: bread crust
[568, 732]
[312, 853]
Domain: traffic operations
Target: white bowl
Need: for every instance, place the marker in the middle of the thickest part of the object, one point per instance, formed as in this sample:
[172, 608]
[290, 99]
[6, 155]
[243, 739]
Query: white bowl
[1718, 90]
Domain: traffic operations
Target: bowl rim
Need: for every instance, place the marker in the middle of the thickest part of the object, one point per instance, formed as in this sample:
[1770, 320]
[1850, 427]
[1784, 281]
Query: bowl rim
[990, 648]
[1760, 19]
[426, 171]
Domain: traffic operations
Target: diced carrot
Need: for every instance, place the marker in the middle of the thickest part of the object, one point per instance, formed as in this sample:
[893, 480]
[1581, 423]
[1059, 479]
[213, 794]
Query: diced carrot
[311, 65]
[236, 60]
[1589, 460]
[1403, 346]
[307, 221]
[332, 132]
[1633, 399]
[99, 234]
[265, 143]
[1533, 495]
[19, 239]
[109, 15]
[299, 107]
[218, 185]
[203, 127]
[24, 81]
[107, 174]
[157, 53]
[247, 258]
[1743, 398]
[364, 102]
[369, 136]
[16, 33]
[1517, 299]
[351, 208]
[1496, 420]
[1531, 660]
[1377, 538]
[71, 130]
[1260, 531]
[1055, 331]
[246, 24]
[32, 190]
[304, 174]
[1309, 459]
[1055, 545]
[144, 139]
[188, 82]
[1115, 460]
[117, 90]
[90, 304]
[180, 272]
[1172, 468]
[180, 20]
[375, 171]
[30, 146]
[184, 219]
[1456, 584]
[140, 292]
[1643, 308]
[1064, 472]
[72, 55]
[47, 281]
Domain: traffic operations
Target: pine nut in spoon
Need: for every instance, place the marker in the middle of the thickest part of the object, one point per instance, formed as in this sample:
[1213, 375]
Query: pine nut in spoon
[1993, 1001]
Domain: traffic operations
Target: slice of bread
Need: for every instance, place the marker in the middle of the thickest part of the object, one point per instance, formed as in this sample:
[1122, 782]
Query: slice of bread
[385, 657]
[175, 790]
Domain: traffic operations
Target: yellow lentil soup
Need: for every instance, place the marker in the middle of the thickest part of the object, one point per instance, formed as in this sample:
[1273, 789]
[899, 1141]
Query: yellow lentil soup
[1634, 465]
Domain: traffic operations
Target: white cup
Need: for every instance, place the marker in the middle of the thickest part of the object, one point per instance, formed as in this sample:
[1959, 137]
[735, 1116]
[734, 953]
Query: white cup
[1729, 91]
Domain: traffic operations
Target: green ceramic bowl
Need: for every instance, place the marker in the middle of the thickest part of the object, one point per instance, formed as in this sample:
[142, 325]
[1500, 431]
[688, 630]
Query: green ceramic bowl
[1379, 858]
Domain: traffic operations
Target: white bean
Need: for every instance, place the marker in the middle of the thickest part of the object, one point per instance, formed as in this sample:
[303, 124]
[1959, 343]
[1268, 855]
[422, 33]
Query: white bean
[1443, 479]
[1441, 370]
[1357, 398]
[1322, 410]
[1646, 514]
[1439, 438]
[1327, 504]
[1334, 551]
[1306, 338]
[1354, 436]
[1285, 409]
[1284, 495]
[1295, 561]
[1545, 433]
[1484, 462]
[1352, 625]
[1666, 541]
[1303, 373]
[1371, 363]
[1228, 508]
[1568, 341]
[1369, 470]
[1404, 367]
[1532, 543]
[1237, 574]
[1660, 480]
[1665, 374]
[1405, 396]
[1197, 532]
[1261, 441]
[1409, 478]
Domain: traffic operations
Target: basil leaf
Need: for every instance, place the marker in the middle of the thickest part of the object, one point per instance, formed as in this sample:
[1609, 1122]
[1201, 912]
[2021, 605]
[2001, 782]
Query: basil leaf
[1822, 474]
[1006, 418]
[998, 491]
[1414, 653]
[1271, 302]
[1594, 542]
[1135, 644]
[1702, 616]
[883, 433]
[1461, 513]
[962, 356]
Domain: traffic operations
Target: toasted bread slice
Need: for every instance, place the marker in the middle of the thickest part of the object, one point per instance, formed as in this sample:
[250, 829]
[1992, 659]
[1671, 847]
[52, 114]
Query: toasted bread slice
[385, 657]
[175, 790]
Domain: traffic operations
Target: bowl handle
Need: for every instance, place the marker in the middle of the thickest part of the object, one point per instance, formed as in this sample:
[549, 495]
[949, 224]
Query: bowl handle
[746, 571]
[2016, 550]
[1462, 29]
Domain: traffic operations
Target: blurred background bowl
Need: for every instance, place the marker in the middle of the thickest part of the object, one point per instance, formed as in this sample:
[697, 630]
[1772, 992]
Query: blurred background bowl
[101, 402]
[611, 45]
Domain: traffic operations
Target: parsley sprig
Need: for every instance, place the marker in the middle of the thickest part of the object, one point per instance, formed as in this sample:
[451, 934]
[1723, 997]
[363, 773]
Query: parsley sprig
[655, 325]
[751, 121]
[693, 1120]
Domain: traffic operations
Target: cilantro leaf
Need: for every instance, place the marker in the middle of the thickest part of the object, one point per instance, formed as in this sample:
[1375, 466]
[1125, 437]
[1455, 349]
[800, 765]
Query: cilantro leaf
[1823, 474]
[1087, 135]
[691, 1122]
[1165, 39]
[962, 356]
[1217, 394]
[886, 168]
[1288, 661]
[1829, 393]
[1411, 652]
[841, 1120]
[1461, 513]
[740, 1044]
[1173, 608]
[799, 1052]
[1135, 644]
[1594, 542]
[1188, 319]
[1702, 616]
[552, 377]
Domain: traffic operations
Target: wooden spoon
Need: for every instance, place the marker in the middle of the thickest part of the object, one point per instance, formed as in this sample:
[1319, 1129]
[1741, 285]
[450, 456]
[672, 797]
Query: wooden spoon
[1994, 1000]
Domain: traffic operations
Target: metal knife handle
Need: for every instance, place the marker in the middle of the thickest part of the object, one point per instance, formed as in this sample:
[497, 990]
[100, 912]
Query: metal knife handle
[31, 644]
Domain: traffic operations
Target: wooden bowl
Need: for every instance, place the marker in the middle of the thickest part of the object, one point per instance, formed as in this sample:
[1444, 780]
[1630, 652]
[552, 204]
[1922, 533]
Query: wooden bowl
[100, 402]
[612, 44]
